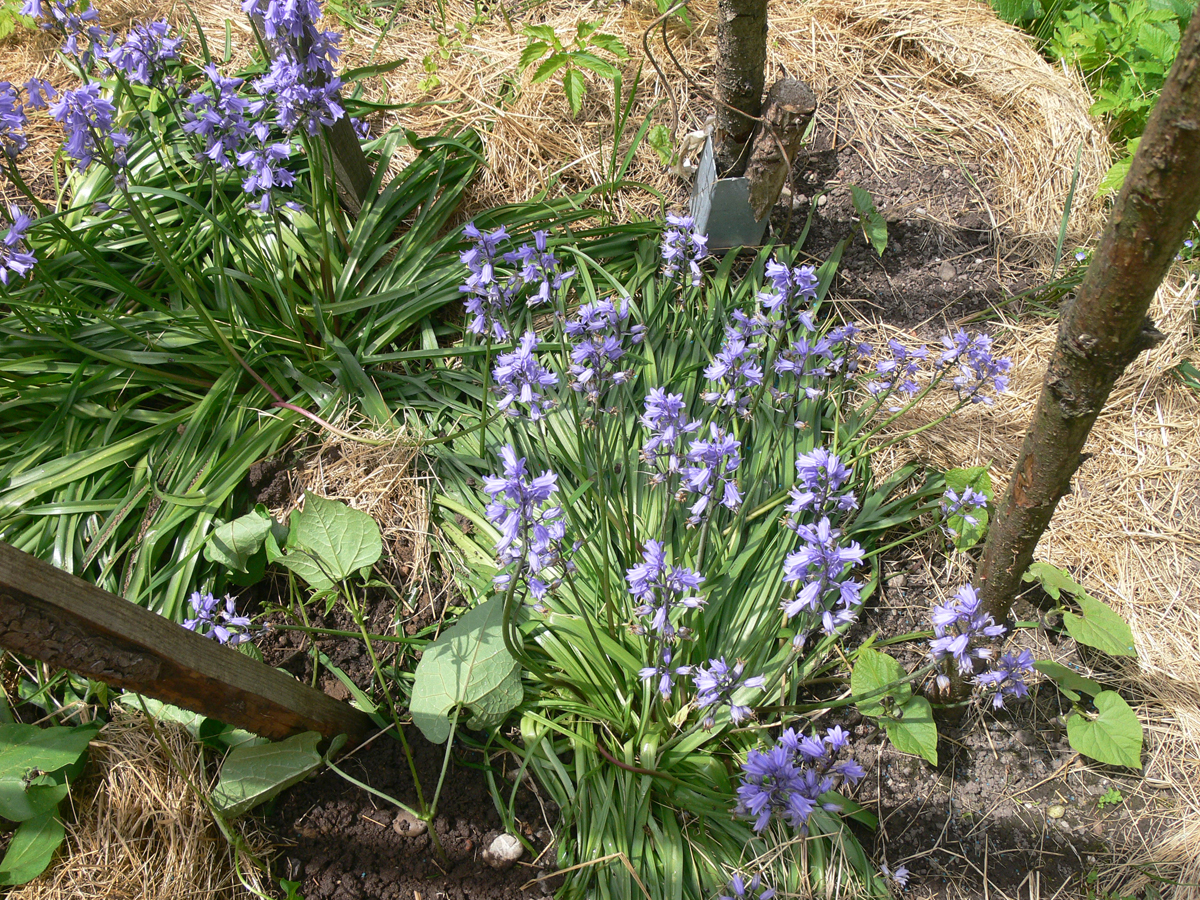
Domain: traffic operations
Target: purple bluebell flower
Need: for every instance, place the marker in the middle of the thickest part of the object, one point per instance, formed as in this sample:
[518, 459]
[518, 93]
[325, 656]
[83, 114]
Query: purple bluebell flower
[601, 334]
[519, 378]
[263, 159]
[790, 289]
[65, 17]
[821, 566]
[977, 366]
[145, 52]
[664, 673]
[957, 624]
[15, 257]
[529, 529]
[220, 117]
[716, 686]
[740, 889]
[88, 120]
[899, 877]
[955, 506]
[1007, 677]
[736, 371]
[362, 127]
[222, 625]
[681, 246]
[714, 464]
[12, 121]
[666, 420]
[488, 299]
[660, 588]
[539, 268]
[39, 91]
[822, 475]
[900, 372]
[297, 99]
[806, 356]
[789, 779]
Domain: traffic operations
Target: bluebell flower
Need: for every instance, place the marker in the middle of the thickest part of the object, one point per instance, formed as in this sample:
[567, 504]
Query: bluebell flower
[714, 464]
[530, 531]
[716, 686]
[660, 588]
[222, 625]
[519, 378]
[790, 290]
[601, 335]
[955, 506]
[900, 372]
[39, 91]
[822, 566]
[538, 267]
[789, 779]
[15, 257]
[263, 160]
[740, 889]
[664, 673]
[88, 120]
[666, 420]
[681, 246]
[297, 100]
[822, 475]
[12, 121]
[977, 366]
[362, 128]
[899, 877]
[144, 53]
[1007, 677]
[488, 298]
[220, 117]
[736, 371]
[957, 626]
[72, 22]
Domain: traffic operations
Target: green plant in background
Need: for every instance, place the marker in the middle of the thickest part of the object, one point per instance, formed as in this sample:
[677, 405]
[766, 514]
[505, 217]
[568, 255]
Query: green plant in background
[571, 60]
[37, 766]
[1111, 797]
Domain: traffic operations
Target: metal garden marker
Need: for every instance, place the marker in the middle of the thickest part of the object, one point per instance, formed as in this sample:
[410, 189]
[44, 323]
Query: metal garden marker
[721, 206]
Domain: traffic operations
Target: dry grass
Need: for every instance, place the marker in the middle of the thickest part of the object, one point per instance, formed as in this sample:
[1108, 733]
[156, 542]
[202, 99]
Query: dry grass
[140, 832]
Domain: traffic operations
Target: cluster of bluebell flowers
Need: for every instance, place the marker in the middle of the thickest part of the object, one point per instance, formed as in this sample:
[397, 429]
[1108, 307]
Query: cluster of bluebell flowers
[218, 619]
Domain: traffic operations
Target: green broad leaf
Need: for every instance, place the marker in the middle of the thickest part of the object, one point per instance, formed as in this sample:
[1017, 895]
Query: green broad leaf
[611, 43]
[252, 775]
[967, 534]
[531, 54]
[25, 748]
[1114, 178]
[573, 86]
[659, 137]
[31, 849]
[549, 67]
[872, 672]
[595, 64]
[1114, 736]
[1099, 627]
[915, 732]
[328, 542]
[233, 543]
[873, 224]
[467, 665]
[1052, 579]
[1070, 683]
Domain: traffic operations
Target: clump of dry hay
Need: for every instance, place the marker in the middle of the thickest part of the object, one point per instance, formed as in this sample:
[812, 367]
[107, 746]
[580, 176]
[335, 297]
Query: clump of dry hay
[1129, 534]
[927, 83]
[139, 831]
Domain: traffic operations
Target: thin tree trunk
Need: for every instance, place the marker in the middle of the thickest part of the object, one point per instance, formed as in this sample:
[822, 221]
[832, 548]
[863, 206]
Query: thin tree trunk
[788, 110]
[741, 74]
[1105, 327]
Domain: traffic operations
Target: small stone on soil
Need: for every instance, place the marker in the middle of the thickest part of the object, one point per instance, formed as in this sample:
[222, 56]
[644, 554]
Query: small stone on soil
[503, 851]
[407, 824]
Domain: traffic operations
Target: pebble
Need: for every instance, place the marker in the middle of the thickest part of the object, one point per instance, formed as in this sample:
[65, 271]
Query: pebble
[946, 271]
[1057, 811]
[822, 200]
[408, 825]
[503, 851]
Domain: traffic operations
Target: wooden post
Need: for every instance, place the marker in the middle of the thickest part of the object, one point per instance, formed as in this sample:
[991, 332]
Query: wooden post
[69, 623]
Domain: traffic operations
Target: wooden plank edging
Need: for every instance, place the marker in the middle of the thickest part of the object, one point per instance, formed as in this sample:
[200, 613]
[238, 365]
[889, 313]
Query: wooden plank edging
[70, 623]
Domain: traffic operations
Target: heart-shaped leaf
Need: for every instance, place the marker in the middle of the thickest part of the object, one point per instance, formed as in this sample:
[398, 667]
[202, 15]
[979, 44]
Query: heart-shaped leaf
[31, 849]
[328, 542]
[872, 672]
[252, 775]
[1114, 736]
[1099, 627]
[914, 731]
[233, 543]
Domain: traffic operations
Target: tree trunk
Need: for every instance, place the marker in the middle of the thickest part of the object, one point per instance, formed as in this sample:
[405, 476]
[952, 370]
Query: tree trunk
[741, 74]
[1105, 327]
[789, 108]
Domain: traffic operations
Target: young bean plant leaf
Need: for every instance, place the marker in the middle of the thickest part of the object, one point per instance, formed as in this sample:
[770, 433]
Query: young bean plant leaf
[1072, 684]
[467, 665]
[874, 226]
[1114, 736]
[872, 672]
[233, 543]
[31, 849]
[328, 542]
[29, 749]
[1098, 626]
[252, 775]
[914, 731]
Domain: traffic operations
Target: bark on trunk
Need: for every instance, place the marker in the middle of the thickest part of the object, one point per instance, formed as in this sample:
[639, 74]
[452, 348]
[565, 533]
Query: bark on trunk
[1105, 327]
[789, 108]
[741, 74]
